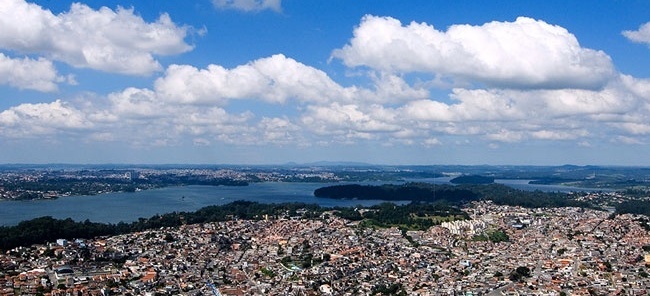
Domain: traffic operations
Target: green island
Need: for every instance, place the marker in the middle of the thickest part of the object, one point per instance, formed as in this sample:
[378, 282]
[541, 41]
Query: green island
[426, 192]
[472, 179]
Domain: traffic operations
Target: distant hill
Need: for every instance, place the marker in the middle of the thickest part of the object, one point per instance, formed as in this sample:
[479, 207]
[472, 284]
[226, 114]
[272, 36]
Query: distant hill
[331, 163]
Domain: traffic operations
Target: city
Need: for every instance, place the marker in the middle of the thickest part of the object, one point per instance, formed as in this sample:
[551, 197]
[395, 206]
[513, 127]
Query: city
[47, 182]
[324, 148]
[558, 251]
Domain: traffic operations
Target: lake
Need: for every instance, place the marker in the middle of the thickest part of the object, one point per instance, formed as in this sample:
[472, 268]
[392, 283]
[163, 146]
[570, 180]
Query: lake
[129, 206]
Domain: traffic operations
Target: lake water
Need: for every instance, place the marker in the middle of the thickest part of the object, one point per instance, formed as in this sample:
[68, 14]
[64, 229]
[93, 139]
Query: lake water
[129, 206]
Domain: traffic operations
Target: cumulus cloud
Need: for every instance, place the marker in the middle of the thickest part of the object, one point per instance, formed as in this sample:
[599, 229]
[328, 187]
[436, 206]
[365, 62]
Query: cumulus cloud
[249, 5]
[36, 74]
[431, 142]
[511, 105]
[274, 79]
[350, 123]
[393, 88]
[642, 35]
[30, 120]
[638, 87]
[139, 115]
[502, 115]
[213, 120]
[526, 53]
[279, 131]
[116, 41]
[189, 102]
[136, 103]
[559, 135]
[634, 128]
[145, 117]
[514, 116]
[505, 135]
[496, 104]
[628, 140]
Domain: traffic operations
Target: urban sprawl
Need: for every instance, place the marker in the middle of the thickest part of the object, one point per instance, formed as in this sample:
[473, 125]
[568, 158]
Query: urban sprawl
[549, 251]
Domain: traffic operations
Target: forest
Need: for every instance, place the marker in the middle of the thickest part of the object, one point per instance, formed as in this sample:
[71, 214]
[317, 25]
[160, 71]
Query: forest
[423, 192]
[639, 207]
[472, 179]
[412, 216]
[454, 194]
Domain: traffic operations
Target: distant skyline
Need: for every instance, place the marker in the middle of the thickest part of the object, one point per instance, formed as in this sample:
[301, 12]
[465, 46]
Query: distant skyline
[374, 81]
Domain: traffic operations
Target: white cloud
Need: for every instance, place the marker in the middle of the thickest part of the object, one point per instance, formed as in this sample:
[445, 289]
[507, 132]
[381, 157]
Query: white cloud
[507, 115]
[198, 121]
[559, 134]
[136, 103]
[642, 35]
[502, 105]
[638, 87]
[525, 53]
[349, 120]
[144, 117]
[108, 40]
[27, 73]
[584, 144]
[431, 142]
[201, 142]
[274, 79]
[634, 128]
[44, 119]
[473, 105]
[140, 115]
[249, 5]
[190, 105]
[393, 88]
[279, 131]
[505, 135]
[628, 140]
[427, 110]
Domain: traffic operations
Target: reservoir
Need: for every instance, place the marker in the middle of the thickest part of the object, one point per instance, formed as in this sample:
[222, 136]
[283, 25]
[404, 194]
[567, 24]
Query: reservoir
[129, 206]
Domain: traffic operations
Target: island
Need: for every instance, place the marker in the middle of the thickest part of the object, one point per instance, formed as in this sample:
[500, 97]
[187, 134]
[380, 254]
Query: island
[472, 179]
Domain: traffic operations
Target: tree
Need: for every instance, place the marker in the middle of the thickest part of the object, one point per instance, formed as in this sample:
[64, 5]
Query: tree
[523, 270]
[519, 274]
[169, 238]
[608, 266]
[497, 236]
[326, 257]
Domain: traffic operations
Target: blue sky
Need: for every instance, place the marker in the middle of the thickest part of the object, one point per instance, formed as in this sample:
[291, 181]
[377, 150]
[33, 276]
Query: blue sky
[272, 81]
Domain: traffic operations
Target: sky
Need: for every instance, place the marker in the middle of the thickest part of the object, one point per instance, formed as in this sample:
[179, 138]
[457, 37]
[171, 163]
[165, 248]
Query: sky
[510, 82]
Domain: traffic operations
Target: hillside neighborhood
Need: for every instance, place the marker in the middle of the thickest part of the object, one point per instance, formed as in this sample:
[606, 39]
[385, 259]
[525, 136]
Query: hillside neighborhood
[561, 251]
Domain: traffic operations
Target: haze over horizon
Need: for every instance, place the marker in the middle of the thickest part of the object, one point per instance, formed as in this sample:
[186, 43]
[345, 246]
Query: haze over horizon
[272, 82]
